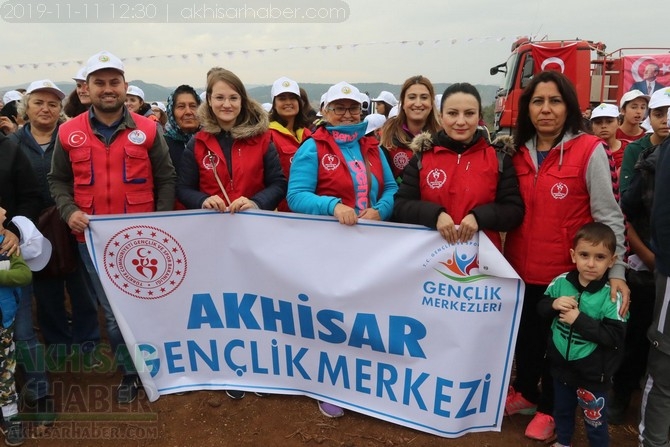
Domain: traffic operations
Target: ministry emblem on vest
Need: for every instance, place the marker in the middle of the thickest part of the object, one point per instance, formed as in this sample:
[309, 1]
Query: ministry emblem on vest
[436, 178]
[330, 162]
[137, 137]
[559, 191]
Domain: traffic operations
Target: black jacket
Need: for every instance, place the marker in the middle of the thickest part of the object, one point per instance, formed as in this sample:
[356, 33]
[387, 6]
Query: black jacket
[19, 190]
[40, 159]
[504, 214]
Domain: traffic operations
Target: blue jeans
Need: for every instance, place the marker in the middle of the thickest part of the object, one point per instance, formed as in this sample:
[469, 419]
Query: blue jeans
[29, 351]
[594, 408]
[119, 349]
[52, 315]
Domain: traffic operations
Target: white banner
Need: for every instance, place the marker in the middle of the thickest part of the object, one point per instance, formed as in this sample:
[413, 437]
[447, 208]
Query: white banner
[383, 319]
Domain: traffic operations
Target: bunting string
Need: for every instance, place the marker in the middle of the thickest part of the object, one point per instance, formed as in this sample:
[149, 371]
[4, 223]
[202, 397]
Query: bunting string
[199, 56]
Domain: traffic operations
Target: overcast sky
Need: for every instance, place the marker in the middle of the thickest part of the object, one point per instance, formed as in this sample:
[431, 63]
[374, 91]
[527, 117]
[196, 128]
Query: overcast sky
[460, 40]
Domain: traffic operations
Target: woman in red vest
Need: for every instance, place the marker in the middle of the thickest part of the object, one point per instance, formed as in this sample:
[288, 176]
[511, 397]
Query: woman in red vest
[416, 113]
[230, 164]
[288, 123]
[457, 182]
[565, 177]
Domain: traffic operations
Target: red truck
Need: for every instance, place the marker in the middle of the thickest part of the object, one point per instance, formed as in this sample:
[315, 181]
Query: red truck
[598, 76]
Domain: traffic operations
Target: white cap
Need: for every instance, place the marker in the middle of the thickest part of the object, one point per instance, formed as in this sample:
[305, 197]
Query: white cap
[35, 248]
[660, 98]
[81, 74]
[365, 102]
[160, 105]
[343, 90]
[394, 111]
[102, 60]
[438, 102]
[135, 91]
[605, 111]
[386, 97]
[631, 95]
[45, 85]
[10, 96]
[375, 121]
[284, 85]
[267, 106]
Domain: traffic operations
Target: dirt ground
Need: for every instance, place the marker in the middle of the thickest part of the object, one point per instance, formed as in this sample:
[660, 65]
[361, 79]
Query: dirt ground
[88, 416]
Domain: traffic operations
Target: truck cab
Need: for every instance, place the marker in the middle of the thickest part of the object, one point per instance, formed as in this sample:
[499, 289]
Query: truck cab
[597, 76]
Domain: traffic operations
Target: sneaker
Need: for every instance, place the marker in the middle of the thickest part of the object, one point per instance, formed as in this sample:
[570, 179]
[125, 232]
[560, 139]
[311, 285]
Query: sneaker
[516, 403]
[330, 410]
[261, 394]
[558, 444]
[541, 427]
[235, 394]
[12, 428]
[127, 391]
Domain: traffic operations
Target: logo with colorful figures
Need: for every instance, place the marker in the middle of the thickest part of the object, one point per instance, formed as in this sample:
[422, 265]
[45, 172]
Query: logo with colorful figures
[461, 267]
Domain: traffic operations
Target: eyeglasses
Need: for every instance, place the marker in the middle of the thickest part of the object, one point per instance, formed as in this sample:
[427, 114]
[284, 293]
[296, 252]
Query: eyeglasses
[341, 110]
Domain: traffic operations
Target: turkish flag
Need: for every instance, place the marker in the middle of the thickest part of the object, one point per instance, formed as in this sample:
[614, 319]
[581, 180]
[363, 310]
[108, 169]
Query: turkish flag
[563, 59]
[634, 67]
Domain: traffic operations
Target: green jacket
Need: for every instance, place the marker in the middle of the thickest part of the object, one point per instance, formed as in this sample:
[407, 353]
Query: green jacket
[588, 352]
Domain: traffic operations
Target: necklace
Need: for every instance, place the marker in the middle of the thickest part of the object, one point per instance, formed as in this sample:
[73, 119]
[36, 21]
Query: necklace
[352, 156]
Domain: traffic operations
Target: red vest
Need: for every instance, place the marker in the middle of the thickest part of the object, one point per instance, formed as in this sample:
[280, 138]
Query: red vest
[461, 182]
[400, 157]
[287, 145]
[247, 159]
[334, 175]
[557, 205]
[110, 180]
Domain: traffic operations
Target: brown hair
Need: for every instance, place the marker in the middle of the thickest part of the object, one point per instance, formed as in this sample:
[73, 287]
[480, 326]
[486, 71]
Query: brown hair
[217, 74]
[596, 233]
[525, 130]
[393, 132]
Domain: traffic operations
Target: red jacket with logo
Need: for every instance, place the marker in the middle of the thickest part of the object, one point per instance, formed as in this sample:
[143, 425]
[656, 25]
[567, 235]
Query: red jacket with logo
[110, 179]
[461, 182]
[334, 175]
[248, 167]
[557, 205]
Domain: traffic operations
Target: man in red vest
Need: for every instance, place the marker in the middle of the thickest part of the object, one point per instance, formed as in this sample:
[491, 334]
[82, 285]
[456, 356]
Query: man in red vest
[110, 161]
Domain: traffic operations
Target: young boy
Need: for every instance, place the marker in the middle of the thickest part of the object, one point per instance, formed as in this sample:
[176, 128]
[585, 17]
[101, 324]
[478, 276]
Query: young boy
[587, 335]
[14, 273]
[604, 124]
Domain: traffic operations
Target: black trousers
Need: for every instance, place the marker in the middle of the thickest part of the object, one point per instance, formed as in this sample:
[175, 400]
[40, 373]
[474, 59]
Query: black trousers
[532, 367]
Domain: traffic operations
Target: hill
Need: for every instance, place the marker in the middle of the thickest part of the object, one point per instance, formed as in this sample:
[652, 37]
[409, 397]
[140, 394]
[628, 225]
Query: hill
[156, 92]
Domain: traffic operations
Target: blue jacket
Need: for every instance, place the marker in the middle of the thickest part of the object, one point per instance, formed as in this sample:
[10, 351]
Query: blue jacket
[303, 180]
